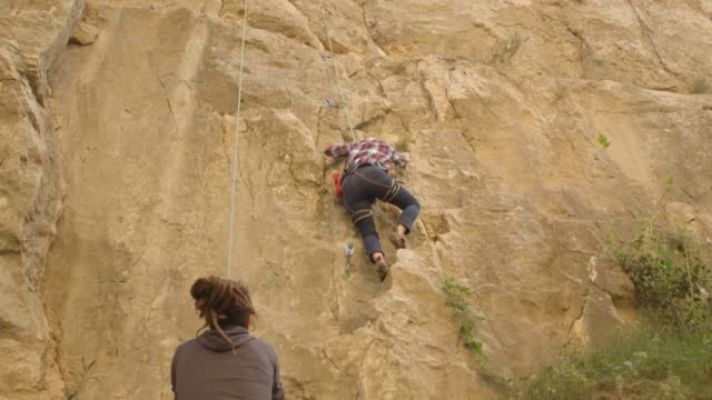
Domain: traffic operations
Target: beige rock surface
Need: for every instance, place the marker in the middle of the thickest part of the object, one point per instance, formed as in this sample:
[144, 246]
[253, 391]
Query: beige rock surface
[31, 190]
[499, 105]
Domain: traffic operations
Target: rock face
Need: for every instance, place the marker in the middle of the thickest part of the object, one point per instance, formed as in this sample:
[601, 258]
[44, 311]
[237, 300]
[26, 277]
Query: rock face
[535, 129]
[31, 191]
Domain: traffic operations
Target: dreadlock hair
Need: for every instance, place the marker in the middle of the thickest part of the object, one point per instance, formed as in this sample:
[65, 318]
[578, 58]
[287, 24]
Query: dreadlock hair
[222, 302]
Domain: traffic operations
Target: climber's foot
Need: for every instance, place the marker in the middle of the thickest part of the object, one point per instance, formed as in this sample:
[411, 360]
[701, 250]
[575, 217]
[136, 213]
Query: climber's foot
[382, 266]
[397, 239]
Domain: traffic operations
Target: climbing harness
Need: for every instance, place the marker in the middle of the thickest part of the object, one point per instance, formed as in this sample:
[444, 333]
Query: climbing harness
[331, 58]
[233, 197]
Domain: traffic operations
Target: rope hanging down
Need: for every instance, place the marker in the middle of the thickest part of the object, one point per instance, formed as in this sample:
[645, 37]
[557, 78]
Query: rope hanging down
[336, 73]
[233, 197]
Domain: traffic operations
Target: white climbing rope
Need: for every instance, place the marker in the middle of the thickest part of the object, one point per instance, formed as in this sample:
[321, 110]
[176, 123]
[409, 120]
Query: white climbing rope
[233, 197]
[332, 57]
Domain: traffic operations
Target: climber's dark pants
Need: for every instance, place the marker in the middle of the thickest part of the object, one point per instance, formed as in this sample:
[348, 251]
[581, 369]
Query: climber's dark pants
[367, 184]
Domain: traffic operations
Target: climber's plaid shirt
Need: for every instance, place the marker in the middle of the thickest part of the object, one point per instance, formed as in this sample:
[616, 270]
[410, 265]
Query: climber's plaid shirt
[369, 151]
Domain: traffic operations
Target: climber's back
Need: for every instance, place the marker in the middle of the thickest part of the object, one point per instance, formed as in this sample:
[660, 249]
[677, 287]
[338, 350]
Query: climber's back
[225, 362]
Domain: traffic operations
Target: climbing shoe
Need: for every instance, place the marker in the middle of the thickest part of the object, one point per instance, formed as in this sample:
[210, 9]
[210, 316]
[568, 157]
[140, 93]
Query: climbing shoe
[397, 240]
[382, 267]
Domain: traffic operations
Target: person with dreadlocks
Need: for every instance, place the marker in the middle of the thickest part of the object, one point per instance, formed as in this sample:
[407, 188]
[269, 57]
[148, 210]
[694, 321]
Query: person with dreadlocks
[365, 179]
[225, 362]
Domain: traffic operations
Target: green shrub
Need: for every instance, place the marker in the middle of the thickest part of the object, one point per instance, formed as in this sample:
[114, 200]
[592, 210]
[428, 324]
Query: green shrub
[671, 277]
[670, 355]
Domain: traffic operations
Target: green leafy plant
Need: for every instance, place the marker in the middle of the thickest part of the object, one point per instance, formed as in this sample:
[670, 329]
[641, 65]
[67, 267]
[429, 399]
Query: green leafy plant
[466, 318]
[603, 140]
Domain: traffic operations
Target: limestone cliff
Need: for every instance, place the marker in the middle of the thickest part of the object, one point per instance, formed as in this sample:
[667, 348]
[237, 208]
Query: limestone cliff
[535, 128]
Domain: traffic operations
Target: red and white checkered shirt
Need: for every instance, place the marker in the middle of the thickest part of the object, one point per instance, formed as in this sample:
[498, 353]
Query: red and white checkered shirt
[368, 151]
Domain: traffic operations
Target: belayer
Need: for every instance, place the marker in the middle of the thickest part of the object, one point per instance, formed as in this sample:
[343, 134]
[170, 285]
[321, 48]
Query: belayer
[225, 362]
[365, 179]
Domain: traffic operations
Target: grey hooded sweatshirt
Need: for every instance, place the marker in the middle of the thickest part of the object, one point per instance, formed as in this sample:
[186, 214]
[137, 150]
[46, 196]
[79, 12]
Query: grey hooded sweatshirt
[206, 368]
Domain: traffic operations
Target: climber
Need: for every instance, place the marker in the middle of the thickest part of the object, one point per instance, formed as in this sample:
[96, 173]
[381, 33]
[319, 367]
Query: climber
[365, 178]
[225, 362]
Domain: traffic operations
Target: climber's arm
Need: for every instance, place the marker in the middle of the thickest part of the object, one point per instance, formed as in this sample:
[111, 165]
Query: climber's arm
[339, 151]
[399, 159]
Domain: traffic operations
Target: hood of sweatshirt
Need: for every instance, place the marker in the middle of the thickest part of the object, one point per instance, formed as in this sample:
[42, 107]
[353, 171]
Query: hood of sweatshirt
[212, 340]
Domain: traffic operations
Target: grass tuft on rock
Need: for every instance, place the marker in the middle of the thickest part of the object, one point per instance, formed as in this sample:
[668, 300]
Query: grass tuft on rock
[465, 316]
[646, 363]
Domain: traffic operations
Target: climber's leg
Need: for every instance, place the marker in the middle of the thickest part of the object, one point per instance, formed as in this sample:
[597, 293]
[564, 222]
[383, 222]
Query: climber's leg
[399, 196]
[358, 198]
[383, 186]
[410, 206]
[382, 266]
[363, 219]
[377, 183]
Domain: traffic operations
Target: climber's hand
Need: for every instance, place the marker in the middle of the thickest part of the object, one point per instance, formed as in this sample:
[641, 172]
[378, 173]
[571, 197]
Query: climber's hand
[330, 161]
